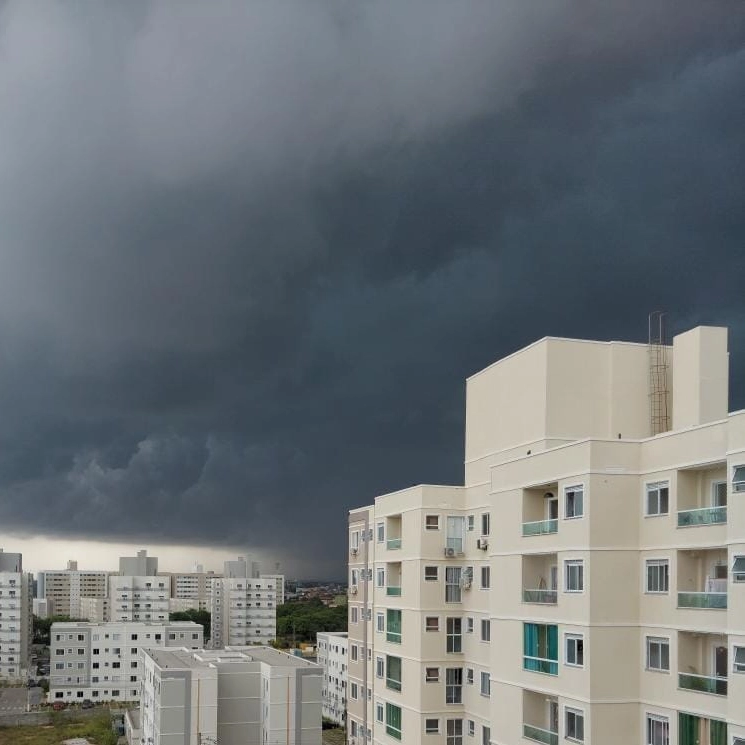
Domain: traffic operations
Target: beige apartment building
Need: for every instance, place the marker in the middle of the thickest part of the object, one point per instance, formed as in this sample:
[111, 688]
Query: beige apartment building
[587, 583]
[66, 589]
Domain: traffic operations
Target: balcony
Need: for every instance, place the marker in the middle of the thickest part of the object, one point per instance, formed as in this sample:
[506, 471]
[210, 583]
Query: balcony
[538, 734]
[703, 683]
[541, 648]
[393, 579]
[540, 718]
[393, 544]
[702, 496]
[540, 527]
[541, 510]
[393, 532]
[393, 591]
[702, 579]
[702, 662]
[702, 516]
[540, 578]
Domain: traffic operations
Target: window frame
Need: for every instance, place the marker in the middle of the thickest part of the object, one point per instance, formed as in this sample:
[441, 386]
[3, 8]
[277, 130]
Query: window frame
[452, 636]
[569, 637]
[574, 564]
[380, 576]
[485, 524]
[657, 562]
[649, 719]
[652, 486]
[431, 729]
[485, 625]
[738, 485]
[454, 686]
[577, 714]
[380, 623]
[380, 532]
[431, 522]
[738, 577]
[430, 578]
[435, 627]
[379, 667]
[454, 585]
[485, 676]
[738, 667]
[650, 641]
[485, 574]
[574, 489]
[433, 677]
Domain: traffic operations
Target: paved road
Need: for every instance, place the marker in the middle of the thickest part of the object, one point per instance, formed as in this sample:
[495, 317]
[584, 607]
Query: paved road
[14, 700]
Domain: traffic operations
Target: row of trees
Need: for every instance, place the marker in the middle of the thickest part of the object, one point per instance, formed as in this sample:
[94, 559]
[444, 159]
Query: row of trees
[300, 621]
[202, 617]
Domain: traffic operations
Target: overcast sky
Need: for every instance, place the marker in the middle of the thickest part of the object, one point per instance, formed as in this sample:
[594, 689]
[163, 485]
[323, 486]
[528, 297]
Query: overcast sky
[249, 251]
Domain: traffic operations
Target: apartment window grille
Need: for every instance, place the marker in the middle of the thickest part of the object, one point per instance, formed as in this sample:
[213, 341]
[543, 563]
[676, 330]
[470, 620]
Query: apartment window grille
[485, 578]
[431, 726]
[738, 569]
[432, 522]
[454, 634]
[574, 725]
[738, 664]
[380, 577]
[393, 720]
[381, 532]
[658, 576]
[485, 524]
[574, 502]
[658, 730]
[454, 732]
[658, 654]
[432, 623]
[485, 735]
[738, 479]
[574, 575]
[658, 497]
[485, 684]
[485, 630]
[453, 685]
[431, 574]
[575, 650]
[432, 675]
[453, 590]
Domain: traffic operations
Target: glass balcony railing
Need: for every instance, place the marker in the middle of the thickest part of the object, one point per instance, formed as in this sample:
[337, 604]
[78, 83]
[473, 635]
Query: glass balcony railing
[540, 527]
[545, 597]
[703, 683]
[393, 543]
[393, 637]
[541, 665]
[393, 591]
[538, 734]
[702, 516]
[394, 685]
[710, 600]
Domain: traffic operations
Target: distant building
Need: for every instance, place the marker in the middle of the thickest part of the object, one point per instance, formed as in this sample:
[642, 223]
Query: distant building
[103, 661]
[193, 588]
[279, 583]
[63, 589]
[95, 610]
[243, 611]
[232, 696]
[16, 616]
[139, 598]
[332, 657]
[141, 565]
[40, 607]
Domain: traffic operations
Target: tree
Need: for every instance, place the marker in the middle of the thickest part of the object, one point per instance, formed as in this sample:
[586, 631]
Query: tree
[302, 620]
[201, 617]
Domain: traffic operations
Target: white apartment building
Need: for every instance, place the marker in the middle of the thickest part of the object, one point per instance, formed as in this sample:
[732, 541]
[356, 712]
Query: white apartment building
[16, 598]
[243, 611]
[191, 590]
[587, 583]
[138, 598]
[63, 589]
[95, 610]
[279, 584]
[332, 657]
[104, 661]
[234, 696]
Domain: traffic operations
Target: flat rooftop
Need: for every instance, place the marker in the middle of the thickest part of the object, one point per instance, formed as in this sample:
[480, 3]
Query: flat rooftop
[186, 659]
[110, 624]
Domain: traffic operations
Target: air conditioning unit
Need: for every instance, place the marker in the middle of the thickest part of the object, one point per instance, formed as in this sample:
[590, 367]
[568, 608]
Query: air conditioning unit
[353, 590]
[482, 543]
[449, 552]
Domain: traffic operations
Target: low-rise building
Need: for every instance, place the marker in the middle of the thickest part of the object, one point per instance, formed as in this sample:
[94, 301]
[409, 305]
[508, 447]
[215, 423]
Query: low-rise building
[102, 661]
[235, 695]
[332, 657]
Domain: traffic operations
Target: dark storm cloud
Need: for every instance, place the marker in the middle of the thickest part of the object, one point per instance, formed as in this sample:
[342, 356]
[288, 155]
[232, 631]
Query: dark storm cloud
[249, 251]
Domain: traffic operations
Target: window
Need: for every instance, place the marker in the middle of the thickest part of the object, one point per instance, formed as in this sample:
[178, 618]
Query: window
[540, 648]
[574, 575]
[469, 624]
[485, 578]
[355, 541]
[353, 690]
[452, 584]
[658, 653]
[485, 684]
[353, 653]
[431, 675]
[739, 660]
[471, 728]
[485, 735]
[485, 630]
[379, 667]
[380, 577]
[393, 625]
[432, 623]
[469, 676]
[431, 574]
[393, 673]
[574, 501]
[454, 631]
[485, 523]
[658, 575]
[355, 577]
[658, 498]
[380, 623]
[575, 650]
[431, 726]
[455, 533]
[471, 521]
[658, 730]
[353, 613]
[393, 721]
[454, 729]
[738, 569]
[574, 725]
[453, 685]
[738, 479]
[380, 532]
[432, 522]
[379, 712]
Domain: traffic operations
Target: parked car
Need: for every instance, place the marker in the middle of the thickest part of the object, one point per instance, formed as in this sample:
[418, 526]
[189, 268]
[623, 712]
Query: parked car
[87, 704]
[59, 705]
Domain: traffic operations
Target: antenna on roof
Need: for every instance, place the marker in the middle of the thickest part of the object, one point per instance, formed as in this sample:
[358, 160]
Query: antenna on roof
[659, 411]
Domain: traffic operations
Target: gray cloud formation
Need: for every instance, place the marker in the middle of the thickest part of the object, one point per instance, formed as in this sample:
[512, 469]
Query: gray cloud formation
[249, 251]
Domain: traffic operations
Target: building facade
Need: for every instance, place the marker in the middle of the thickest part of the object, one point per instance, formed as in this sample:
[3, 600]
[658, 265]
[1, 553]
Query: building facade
[587, 583]
[191, 590]
[16, 602]
[243, 611]
[63, 589]
[103, 662]
[138, 598]
[332, 657]
[279, 586]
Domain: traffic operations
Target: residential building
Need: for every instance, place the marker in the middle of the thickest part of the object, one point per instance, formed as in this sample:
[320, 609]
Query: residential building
[331, 650]
[243, 611]
[138, 598]
[141, 565]
[63, 589]
[236, 695]
[40, 607]
[193, 588]
[103, 661]
[95, 610]
[279, 584]
[599, 538]
[15, 616]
